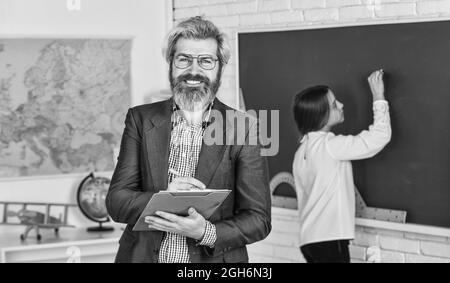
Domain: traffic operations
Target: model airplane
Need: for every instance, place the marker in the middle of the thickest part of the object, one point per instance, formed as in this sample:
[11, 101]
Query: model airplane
[35, 219]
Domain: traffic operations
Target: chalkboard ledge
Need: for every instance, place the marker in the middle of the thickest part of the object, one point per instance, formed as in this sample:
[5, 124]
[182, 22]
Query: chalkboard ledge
[404, 227]
[292, 215]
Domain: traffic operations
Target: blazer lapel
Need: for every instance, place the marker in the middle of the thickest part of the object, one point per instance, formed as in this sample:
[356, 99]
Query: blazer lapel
[211, 155]
[158, 146]
[158, 143]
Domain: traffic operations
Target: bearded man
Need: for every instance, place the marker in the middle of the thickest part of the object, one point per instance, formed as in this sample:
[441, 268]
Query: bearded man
[163, 148]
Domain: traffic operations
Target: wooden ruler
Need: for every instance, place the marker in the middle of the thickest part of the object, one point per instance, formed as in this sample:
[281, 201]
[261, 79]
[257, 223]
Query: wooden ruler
[363, 211]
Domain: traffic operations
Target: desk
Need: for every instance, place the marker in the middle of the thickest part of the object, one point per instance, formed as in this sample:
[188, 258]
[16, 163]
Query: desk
[71, 245]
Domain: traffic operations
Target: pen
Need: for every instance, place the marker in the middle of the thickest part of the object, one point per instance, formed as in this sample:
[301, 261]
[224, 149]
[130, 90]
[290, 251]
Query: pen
[174, 172]
[194, 186]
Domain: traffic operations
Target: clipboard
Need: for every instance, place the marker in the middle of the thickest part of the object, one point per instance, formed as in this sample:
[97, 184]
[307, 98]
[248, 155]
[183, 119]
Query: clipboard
[205, 202]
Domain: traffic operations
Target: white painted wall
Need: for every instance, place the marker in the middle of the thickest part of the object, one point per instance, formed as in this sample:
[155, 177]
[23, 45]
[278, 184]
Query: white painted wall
[147, 22]
[144, 21]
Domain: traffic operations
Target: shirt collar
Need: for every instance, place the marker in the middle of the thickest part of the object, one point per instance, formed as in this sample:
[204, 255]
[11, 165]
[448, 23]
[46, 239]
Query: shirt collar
[316, 133]
[178, 119]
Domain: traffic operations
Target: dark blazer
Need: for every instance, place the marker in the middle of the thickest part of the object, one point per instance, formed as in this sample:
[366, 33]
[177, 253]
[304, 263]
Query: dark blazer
[142, 170]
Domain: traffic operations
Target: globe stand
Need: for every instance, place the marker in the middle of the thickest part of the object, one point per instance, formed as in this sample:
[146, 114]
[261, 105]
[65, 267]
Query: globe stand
[100, 228]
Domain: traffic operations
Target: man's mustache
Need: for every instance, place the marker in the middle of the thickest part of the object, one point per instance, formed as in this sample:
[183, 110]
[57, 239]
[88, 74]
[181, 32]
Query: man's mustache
[191, 77]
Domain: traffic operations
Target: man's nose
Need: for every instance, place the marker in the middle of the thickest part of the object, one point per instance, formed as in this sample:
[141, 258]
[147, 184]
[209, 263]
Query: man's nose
[195, 68]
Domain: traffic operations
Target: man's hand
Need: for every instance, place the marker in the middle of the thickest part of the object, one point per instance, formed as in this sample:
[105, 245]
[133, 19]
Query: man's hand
[185, 184]
[377, 85]
[192, 226]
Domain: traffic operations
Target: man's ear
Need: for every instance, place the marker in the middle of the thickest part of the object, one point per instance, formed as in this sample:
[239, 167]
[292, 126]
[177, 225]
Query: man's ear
[223, 69]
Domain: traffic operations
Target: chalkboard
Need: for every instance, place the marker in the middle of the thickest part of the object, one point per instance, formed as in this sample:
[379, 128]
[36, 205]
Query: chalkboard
[413, 172]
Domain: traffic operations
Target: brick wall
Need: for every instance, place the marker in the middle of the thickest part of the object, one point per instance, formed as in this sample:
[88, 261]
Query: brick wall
[400, 247]
[394, 246]
[233, 15]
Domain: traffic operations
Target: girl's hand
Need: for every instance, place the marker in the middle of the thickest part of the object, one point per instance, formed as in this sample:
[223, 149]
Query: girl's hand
[377, 85]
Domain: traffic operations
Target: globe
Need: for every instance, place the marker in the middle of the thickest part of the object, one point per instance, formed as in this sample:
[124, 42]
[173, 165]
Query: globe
[91, 200]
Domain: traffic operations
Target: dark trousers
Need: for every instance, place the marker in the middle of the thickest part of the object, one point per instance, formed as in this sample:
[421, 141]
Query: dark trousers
[327, 252]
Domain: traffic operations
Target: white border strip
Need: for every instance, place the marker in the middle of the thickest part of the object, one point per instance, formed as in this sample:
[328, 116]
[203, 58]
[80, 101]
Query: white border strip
[238, 83]
[373, 22]
[411, 228]
[169, 16]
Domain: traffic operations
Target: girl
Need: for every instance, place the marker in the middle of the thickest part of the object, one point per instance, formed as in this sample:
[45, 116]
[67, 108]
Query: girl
[323, 172]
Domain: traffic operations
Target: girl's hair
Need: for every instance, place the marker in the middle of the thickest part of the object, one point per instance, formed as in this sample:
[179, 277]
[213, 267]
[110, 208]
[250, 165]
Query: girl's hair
[311, 109]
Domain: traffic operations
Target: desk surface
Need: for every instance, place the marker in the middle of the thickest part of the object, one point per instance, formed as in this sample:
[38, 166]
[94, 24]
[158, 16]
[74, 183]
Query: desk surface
[89, 246]
[11, 239]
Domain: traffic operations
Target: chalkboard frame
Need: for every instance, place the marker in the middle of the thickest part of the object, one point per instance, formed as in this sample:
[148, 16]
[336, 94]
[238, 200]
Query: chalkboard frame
[318, 26]
[404, 227]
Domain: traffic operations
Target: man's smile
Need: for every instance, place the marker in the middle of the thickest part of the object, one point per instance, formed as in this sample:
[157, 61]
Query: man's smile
[193, 83]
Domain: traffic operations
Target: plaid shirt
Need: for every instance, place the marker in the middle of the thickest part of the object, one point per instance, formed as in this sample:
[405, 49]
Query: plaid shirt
[185, 145]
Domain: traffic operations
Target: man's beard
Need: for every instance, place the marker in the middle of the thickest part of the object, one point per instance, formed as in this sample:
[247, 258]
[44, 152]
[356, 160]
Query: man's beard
[193, 98]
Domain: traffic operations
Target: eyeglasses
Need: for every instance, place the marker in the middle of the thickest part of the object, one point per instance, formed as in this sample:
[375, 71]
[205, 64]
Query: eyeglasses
[206, 62]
